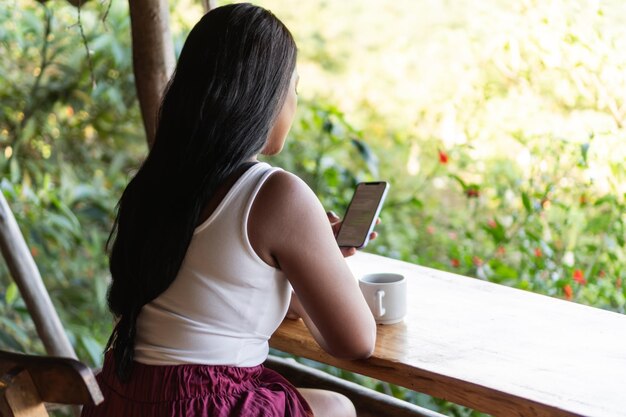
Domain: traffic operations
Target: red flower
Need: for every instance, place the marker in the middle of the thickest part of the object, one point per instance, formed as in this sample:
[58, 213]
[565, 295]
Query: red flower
[472, 192]
[492, 223]
[455, 262]
[443, 157]
[538, 253]
[579, 277]
[34, 251]
[568, 291]
[430, 230]
[500, 250]
[477, 261]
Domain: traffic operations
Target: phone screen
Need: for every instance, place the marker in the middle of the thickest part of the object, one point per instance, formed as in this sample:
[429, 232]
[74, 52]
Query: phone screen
[361, 215]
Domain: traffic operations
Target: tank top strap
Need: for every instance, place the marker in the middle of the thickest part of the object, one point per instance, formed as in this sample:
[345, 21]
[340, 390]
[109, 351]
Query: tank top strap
[256, 185]
[241, 195]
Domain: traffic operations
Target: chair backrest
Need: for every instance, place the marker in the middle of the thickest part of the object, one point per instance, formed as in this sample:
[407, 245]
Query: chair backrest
[27, 381]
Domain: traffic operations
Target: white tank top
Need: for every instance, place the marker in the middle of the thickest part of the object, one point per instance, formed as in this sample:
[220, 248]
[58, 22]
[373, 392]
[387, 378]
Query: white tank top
[225, 302]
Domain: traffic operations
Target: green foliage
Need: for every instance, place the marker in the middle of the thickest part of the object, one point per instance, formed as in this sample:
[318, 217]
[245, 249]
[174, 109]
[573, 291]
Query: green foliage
[505, 160]
[504, 148]
[328, 153]
[60, 161]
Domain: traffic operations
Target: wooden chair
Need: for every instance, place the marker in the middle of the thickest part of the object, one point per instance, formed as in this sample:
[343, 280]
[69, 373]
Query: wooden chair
[27, 381]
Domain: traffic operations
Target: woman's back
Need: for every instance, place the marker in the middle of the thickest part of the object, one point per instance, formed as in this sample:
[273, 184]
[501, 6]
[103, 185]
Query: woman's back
[225, 301]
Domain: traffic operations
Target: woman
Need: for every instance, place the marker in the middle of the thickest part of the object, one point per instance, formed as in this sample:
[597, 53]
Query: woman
[209, 243]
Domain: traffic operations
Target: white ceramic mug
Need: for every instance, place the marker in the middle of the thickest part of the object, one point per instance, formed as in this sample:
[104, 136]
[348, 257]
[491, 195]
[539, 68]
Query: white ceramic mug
[385, 294]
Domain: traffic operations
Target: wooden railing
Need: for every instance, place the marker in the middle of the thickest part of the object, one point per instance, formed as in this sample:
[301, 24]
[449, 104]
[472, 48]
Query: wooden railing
[495, 349]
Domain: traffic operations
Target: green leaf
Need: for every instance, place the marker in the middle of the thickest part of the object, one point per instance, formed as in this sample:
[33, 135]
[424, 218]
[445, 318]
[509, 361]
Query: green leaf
[15, 170]
[598, 224]
[459, 180]
[93, 348]
[416, 202]
[503, 272]
[607, 199]
[368, 156]
[327, 126]
[16, 331]
[497, 233]
[11, 293]
[526, 202]
[331, 176]
[29, 130]
[10, 342]
[61, 223]
[584, 150]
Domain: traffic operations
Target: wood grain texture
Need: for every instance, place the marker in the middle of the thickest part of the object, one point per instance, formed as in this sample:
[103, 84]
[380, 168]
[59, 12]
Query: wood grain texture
[28, 279]
[499, 350]
[153, 57]
[57, 380]
[19, 397]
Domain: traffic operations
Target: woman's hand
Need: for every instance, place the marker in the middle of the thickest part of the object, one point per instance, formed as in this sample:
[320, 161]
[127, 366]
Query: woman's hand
[335, 223]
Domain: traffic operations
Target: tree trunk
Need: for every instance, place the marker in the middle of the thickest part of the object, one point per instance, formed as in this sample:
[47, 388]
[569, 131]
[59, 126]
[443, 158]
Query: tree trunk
[153, 57]
[209, 5]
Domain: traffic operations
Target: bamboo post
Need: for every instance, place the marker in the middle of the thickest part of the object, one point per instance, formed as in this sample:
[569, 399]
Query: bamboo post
[28, 279]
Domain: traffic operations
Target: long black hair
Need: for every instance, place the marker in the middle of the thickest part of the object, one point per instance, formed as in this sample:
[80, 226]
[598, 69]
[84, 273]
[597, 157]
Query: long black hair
[230, 83]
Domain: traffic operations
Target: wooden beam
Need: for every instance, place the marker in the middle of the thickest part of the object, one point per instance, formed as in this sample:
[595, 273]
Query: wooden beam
[28, 279]
[153, 57]
[209, 5]
[19, 396]
[56, 380]
[368, 403]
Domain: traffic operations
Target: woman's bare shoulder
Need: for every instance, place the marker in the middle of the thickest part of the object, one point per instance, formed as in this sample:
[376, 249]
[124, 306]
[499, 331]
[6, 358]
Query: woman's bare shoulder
[287, 194]
[284, 212]
[284, 182]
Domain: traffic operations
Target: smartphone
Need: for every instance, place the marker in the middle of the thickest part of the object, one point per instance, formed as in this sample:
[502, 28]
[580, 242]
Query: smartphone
[362, 213]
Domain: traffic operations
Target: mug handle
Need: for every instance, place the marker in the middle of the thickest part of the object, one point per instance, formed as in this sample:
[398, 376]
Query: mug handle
[380, 310]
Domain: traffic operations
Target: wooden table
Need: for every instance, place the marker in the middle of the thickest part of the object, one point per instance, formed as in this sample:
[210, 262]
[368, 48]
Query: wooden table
[495, 349]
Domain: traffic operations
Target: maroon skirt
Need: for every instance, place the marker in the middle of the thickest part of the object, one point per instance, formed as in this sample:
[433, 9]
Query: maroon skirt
[197, 391]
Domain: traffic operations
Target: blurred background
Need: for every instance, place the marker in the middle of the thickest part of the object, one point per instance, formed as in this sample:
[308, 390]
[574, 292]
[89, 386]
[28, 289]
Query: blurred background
[498, 123]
